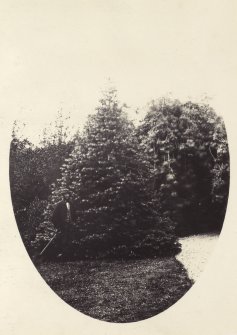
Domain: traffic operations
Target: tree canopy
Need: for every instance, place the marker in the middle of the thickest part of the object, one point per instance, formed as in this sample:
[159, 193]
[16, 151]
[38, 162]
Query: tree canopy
[189, 162]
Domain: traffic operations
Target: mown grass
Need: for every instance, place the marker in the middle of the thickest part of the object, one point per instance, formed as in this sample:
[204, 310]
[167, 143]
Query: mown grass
[118, 291]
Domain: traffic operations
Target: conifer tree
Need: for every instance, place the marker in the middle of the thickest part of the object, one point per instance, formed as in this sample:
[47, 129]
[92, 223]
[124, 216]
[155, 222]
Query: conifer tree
[107, 175]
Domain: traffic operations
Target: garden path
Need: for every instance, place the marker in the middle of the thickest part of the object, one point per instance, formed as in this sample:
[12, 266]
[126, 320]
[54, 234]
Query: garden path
[195, 252]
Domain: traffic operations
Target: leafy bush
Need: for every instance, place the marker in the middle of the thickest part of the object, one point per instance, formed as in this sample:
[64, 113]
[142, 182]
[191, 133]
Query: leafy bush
[29, 221]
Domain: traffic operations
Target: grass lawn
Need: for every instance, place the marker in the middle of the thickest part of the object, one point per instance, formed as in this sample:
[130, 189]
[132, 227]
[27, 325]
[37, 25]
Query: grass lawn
[118, 291]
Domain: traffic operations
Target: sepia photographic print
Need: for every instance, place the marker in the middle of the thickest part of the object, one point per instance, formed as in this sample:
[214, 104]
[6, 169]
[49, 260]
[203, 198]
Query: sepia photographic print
[118, 168]
[119, 219]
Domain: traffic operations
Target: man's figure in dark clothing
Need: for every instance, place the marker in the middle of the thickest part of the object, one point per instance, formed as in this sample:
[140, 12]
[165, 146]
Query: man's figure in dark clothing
[62, 218]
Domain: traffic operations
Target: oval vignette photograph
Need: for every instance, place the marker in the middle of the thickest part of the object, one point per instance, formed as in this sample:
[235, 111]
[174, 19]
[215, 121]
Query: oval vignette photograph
[119, 217]
[119, 160]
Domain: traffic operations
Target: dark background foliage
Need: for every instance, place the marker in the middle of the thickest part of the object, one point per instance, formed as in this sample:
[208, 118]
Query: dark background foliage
[188, 153]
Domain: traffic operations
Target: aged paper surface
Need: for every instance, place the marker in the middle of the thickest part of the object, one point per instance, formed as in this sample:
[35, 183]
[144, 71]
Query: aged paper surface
[59, 53]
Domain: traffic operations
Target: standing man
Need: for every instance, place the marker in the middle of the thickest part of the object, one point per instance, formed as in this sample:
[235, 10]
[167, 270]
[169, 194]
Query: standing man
[63, 217]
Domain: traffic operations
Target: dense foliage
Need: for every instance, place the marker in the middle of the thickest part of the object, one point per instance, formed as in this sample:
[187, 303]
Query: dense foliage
[107, 176]
[32, 171]
[135, 189]
[189, 163]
